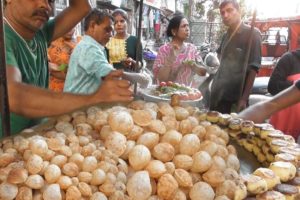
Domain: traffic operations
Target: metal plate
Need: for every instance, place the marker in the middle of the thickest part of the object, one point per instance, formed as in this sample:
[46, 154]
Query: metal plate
[248, 161]
[147, 96]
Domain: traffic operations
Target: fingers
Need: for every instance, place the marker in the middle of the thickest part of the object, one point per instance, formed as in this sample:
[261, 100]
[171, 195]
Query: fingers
[123, 83]
[123, 99]
[114, 90]
[115, 74]
[124, 92]
[129, 59]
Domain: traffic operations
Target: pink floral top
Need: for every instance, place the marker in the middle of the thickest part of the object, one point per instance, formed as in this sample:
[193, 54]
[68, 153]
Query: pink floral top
[185, 74]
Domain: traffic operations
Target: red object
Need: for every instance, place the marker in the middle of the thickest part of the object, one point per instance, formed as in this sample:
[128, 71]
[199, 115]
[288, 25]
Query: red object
[157, 27]
[198, 94]
[265, 71]
[273, 50]
[192, 96]
[276, 50]
[184, 96]
[287, 120]
[291, 22]
[170, 83]
[161, 84]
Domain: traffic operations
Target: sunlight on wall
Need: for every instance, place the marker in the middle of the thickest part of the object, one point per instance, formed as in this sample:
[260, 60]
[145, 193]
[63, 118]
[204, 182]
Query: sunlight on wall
[275, 8]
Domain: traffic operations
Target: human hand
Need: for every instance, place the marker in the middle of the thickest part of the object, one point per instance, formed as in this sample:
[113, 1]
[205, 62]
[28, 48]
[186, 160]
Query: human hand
[189, 63]
[128, 62]
[113, 89]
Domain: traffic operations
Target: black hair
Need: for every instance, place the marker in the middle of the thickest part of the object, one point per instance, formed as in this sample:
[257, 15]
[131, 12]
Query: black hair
[121, 12]
[174, 24]
[96, 16]
[233, 2]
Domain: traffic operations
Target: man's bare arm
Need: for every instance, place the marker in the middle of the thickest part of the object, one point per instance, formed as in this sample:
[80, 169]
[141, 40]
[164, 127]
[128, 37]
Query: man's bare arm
[242, 104]
[33, 102]
[261, 111]
[70, 17]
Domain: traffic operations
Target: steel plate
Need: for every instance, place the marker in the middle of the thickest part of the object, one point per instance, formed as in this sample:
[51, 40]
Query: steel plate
[146, 95]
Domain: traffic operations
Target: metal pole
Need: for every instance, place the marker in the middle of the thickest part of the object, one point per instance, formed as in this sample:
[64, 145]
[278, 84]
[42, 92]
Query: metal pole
[139, 36]
[139, 46]
[210, 28]
[5, 118]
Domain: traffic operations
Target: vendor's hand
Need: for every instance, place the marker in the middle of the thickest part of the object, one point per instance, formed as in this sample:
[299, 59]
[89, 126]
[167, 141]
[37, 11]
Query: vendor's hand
[113, 89]
[128, 62]
[242, 104]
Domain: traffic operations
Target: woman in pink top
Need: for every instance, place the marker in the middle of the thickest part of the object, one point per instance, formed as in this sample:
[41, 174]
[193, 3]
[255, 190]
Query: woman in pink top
[178, 61]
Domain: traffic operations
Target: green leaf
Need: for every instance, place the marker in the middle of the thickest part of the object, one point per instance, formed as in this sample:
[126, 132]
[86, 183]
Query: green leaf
[62, 67]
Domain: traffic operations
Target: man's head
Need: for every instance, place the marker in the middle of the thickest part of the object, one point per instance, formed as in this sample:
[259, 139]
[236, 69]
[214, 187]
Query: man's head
[28, 15]
[230, 12]
[99, 25]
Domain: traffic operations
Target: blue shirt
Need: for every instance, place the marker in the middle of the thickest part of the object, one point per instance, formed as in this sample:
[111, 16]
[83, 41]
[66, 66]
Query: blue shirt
[88, 65]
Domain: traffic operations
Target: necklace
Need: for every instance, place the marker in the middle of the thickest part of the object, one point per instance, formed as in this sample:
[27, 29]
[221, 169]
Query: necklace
[32, 49]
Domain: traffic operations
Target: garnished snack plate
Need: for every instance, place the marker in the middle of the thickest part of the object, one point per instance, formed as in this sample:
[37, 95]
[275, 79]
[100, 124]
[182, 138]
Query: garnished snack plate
[153, 94]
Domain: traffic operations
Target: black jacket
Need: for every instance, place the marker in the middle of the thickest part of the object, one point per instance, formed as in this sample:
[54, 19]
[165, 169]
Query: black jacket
[289, 64]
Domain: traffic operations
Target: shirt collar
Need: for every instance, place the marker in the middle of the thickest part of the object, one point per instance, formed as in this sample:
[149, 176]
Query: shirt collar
[90, 39]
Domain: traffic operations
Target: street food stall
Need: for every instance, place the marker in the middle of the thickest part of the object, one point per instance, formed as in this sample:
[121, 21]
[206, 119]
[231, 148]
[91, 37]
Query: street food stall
[160, 146]
[149, 150]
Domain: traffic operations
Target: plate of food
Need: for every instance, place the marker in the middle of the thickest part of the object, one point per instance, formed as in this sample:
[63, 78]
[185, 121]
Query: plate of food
[165, 90]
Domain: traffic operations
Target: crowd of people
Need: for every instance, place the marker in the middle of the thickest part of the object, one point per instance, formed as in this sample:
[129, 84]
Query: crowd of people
[90, 71]
[28, 32]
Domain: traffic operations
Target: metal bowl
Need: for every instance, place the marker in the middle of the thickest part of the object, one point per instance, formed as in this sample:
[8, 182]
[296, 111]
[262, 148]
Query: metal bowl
[146, 94]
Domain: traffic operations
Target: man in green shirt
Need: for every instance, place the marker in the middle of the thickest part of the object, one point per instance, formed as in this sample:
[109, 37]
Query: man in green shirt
[28, 32]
